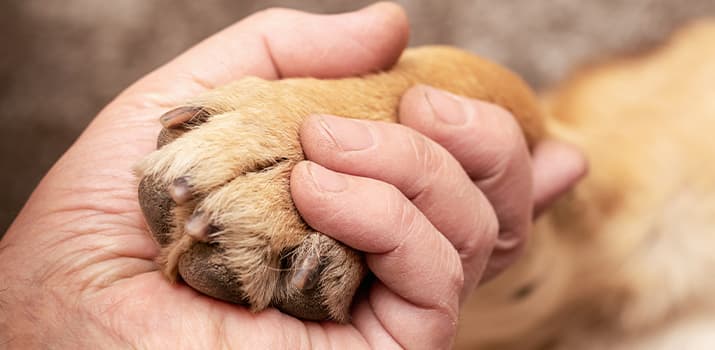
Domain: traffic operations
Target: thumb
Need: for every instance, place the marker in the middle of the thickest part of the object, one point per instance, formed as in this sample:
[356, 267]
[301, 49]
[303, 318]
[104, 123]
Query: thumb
[281, 43]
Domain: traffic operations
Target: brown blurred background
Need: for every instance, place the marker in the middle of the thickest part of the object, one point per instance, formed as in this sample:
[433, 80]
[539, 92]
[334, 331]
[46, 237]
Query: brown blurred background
[62, 61]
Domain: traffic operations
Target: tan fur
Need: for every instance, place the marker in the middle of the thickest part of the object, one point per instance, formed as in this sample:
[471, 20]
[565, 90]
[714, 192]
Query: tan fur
[623, 262]
[627, 258]
[239, 161]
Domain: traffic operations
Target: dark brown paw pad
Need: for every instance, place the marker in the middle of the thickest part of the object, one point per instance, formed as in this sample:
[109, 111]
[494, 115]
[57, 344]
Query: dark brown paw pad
[307, 288]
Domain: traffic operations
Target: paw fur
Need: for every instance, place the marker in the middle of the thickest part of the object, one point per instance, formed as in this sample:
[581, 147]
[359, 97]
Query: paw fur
[216, 197]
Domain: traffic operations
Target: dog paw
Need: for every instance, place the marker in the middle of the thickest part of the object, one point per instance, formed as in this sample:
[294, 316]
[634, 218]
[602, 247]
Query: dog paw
[217, 200]
[216, 192]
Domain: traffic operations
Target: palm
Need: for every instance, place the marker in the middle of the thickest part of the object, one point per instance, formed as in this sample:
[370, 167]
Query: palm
[120, 284]
[151, 313]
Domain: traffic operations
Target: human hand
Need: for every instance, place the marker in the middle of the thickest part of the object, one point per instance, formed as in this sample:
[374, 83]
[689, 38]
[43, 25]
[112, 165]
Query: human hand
[438, 204]
[77, 262]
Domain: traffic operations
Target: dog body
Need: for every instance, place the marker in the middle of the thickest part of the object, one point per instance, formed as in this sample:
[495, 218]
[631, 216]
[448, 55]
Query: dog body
[624, 262]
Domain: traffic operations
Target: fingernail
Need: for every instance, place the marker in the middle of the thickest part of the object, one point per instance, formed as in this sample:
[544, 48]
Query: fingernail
[178, 116]
[506, 242]
[447, 107]
[325, 179]
[347, 134]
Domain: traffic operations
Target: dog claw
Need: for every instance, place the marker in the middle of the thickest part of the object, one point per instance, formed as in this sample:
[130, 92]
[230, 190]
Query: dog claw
[198, 227]
[305, 272]
[180, 190]
[178, 116]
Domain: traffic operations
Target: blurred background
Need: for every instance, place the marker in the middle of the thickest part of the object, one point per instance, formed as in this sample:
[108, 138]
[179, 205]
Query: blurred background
[62, 61]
